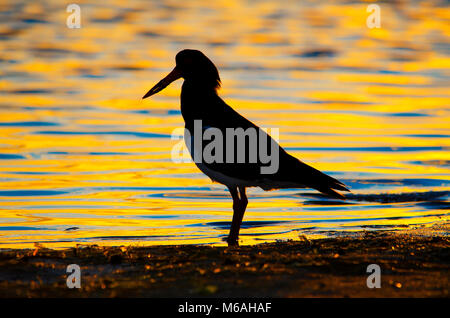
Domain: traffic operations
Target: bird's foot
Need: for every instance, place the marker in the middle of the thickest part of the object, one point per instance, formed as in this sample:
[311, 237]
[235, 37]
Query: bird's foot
[232, 242]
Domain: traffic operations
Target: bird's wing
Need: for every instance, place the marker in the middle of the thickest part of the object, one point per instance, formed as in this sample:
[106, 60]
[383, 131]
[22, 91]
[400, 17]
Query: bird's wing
[294, 170]
[228, 118]
[290, 170]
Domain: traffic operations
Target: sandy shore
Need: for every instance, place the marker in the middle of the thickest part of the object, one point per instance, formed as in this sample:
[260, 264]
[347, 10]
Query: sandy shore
[411, 266]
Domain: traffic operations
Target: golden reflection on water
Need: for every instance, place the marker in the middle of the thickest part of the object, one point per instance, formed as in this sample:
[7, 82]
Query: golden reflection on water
[80, 150]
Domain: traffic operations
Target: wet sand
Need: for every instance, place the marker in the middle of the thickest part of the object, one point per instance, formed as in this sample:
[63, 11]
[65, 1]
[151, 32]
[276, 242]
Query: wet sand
[412, 265]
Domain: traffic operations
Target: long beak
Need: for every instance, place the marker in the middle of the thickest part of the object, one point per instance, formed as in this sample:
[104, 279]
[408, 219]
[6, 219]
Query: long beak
[174, 75]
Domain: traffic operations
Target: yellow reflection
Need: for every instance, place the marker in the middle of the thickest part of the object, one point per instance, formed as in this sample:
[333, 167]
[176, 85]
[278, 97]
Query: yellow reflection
[79, 148]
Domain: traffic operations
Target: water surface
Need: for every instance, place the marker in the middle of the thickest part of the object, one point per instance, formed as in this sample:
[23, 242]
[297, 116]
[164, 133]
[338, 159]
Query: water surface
[84, 160]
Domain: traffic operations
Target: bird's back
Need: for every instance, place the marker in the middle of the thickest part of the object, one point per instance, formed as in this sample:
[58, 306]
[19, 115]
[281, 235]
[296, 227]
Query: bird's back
[213, 112]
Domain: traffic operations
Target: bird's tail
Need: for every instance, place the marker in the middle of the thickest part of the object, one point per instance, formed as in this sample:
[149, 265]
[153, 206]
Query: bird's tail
[331, 192]
[322, 182]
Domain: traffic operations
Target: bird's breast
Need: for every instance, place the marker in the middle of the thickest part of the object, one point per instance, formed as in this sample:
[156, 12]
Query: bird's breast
[197, 103]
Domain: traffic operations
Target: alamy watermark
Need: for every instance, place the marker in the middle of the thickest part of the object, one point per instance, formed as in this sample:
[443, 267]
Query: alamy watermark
[374, 279]
[227, 145]
[74, 279]
[374, 19]
[74, 19]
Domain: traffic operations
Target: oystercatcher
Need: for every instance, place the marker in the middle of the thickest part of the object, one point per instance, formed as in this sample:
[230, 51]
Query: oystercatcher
[201, 107]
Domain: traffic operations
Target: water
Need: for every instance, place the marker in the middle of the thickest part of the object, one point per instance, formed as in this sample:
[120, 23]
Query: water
[84, 160]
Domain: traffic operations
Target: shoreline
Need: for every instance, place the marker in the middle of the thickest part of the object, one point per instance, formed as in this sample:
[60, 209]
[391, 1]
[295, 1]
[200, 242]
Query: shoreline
[411, 264]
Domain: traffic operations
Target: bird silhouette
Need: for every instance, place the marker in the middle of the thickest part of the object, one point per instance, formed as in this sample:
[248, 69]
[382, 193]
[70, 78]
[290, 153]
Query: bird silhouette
[202, 106]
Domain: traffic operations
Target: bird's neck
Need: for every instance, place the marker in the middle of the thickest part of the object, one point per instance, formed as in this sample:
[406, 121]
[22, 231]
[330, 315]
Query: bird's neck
[195, 86]
[196, 100]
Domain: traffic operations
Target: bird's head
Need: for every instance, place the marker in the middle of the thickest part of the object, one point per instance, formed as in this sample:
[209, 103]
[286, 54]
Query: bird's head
[193, 66]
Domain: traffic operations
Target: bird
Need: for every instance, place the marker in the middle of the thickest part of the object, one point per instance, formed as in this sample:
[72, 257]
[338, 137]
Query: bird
[201, 105]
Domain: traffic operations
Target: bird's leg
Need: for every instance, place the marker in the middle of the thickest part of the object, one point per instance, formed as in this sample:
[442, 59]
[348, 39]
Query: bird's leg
[232, 237]
[239, 205]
